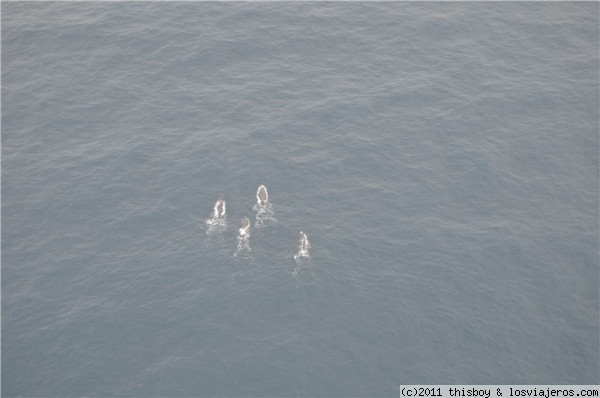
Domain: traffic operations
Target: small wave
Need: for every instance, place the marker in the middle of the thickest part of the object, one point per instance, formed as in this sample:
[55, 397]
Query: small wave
[302, 257]
[243, 246]
[303, 271]
[216, 225]
[265, 215]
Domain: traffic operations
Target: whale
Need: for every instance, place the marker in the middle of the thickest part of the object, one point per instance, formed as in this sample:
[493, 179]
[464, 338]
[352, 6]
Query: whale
[244, 226]
[303, 244]
[262, 196]
[220, 208]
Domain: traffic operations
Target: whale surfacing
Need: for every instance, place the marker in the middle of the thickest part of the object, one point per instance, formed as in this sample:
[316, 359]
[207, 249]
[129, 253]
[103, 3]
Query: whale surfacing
[244, 227]
[303, 244]
[219, 212]
[262, 196]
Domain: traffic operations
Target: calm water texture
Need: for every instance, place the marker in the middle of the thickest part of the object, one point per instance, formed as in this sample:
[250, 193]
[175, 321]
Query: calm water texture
[441, 157]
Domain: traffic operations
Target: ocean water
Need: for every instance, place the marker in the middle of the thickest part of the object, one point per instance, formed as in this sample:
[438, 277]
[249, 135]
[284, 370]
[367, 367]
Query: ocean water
[442, 158]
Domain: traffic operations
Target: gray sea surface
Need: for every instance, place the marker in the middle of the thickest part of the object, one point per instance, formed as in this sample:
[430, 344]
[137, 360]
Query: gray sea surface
[442, 158]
